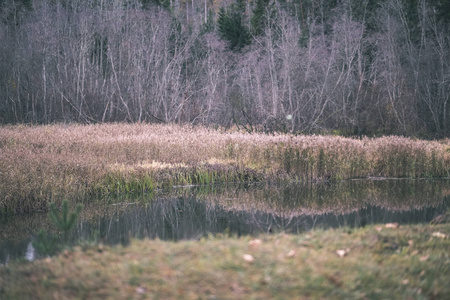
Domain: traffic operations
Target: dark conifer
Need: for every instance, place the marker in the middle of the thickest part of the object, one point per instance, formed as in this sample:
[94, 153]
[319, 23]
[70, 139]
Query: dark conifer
[231, 26]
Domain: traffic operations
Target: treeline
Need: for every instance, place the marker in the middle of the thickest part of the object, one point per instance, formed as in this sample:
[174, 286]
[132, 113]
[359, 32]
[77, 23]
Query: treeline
[353, 67]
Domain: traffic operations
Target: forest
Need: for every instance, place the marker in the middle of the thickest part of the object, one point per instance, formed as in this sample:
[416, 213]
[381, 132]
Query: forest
[348, 67]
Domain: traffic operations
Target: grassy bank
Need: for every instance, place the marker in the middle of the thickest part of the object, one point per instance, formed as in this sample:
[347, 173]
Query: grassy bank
[40, 164]
[376, 262]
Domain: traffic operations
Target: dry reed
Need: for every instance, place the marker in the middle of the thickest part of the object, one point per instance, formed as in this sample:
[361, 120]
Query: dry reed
[40, 164]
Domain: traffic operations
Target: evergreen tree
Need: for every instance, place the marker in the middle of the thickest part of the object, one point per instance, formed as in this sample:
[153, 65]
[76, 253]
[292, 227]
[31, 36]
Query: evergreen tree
[12, 12]
[231, 26]
[64, 220]
[147, 4]
[258, 18]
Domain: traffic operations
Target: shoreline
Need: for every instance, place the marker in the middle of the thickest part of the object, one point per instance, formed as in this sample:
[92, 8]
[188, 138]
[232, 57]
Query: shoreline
[43, 164]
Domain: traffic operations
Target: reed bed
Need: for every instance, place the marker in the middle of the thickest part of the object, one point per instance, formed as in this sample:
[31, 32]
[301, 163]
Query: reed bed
[40, 164]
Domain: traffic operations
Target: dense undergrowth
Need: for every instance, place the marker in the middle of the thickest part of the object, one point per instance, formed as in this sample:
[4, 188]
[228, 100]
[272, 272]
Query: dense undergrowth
[43, 164]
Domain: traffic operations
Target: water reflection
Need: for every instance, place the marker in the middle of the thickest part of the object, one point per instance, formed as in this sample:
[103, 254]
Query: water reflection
[175, 219]
[191, 213]
[29, 255]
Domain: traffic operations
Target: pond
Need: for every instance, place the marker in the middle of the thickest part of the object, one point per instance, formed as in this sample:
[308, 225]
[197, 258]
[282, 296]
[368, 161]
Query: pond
[195, 212]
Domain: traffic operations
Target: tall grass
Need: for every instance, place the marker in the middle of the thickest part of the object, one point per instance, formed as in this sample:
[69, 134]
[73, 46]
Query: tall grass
[43, 164]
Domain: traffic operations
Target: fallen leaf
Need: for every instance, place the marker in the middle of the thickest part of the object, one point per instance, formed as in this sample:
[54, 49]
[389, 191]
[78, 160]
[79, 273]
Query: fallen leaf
[342, 252]
[267, 279]
[255, 243]
[291, 253]
[439, 235]
[424, 258]
[392, 225]
[248, 257]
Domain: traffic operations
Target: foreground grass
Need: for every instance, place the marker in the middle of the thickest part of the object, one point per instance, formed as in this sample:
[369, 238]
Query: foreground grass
[377, 262]
[41, 164]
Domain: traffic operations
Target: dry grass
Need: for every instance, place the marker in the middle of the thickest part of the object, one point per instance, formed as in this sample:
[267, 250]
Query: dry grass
[39, 164]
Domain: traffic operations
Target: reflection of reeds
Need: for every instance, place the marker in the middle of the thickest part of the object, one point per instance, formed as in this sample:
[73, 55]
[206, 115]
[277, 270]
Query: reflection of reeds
[306, 199]
[338, 198]
[189, 212]
[39, 164]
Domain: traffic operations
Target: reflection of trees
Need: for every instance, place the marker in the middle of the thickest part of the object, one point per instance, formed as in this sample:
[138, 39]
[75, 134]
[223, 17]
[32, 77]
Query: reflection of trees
[263, 209]
[192, 213]
[11, 249]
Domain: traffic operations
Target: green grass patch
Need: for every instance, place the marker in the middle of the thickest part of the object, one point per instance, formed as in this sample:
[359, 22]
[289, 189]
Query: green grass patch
[375, 262]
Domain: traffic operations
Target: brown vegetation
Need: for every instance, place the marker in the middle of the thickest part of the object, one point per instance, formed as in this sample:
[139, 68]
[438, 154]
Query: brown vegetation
[39, 164]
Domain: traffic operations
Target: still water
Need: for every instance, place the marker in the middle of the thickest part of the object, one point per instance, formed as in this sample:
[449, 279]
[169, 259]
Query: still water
[194, 212]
